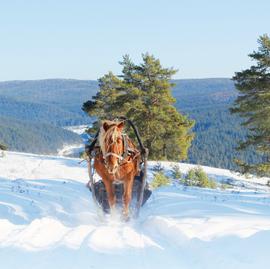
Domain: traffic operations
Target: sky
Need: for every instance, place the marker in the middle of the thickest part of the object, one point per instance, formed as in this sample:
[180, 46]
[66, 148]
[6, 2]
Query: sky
[86, 39]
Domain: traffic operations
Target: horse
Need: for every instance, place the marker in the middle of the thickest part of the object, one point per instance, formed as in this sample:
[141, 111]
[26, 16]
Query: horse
[117, 161]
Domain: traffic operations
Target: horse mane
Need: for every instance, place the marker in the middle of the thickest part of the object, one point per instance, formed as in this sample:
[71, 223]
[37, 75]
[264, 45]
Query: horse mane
[104, 135]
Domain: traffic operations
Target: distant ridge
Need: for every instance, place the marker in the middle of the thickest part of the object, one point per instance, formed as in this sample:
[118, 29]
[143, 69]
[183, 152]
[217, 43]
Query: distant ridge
[58, 102]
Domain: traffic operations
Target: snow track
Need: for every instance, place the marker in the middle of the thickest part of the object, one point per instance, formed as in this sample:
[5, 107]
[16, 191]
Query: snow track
[47, 220]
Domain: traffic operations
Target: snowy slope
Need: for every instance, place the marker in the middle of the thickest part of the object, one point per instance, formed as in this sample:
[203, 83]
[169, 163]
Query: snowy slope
[47, 220]
[74, 150]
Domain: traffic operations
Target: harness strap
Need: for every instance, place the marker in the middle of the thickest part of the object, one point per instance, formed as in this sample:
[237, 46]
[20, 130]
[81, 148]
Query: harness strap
[143, 149]
[89, 148]
[125, 154]
[114, 154]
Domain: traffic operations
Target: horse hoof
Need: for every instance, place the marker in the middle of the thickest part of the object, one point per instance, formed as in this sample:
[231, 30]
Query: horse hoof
[125, 218]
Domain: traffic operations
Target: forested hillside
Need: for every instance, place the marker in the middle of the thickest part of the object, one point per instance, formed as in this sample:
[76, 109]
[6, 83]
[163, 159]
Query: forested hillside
[31, 113]
[35, 137]
[59, 101]
[56, 100]
[217, 131]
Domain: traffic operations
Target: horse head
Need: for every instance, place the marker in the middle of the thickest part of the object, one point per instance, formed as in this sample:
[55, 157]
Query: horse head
[112, 145]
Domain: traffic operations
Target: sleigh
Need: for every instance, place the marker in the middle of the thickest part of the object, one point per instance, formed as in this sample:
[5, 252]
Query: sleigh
[101, 198]
[140, 190]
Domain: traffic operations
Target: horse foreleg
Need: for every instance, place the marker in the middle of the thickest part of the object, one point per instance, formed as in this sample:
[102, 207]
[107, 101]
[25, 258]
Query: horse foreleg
[110, 193]
[128, 184]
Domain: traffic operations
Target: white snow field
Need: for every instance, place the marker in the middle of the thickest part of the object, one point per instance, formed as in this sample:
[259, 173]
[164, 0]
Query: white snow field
[48, 220]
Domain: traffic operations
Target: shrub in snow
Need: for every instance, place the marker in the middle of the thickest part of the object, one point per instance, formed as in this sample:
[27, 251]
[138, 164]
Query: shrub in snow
[158, 167]
[176, 173]
[160, 179]
[2, 148]
[224, 186]
[228, 181]
[83, 155]
[197, 177]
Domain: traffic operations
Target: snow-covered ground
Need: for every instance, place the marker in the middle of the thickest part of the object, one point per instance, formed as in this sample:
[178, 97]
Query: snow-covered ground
[77, 129]
[71, 150]
[76, 149]
[48, 220]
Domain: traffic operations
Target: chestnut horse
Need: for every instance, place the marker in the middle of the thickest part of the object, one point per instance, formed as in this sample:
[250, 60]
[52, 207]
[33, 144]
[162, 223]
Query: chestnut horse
[117, 160]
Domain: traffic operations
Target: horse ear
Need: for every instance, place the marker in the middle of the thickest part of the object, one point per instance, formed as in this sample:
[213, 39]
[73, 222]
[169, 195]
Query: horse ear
[106, 126]
[121, 125]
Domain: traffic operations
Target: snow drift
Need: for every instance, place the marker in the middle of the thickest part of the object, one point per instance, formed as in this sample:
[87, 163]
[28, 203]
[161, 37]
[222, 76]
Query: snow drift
[48, 220]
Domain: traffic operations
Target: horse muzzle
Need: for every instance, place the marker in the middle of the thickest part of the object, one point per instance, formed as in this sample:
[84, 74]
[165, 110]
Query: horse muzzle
[112, 170]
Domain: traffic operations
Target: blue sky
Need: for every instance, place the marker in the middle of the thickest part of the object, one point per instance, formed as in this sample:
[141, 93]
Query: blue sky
[85, 39]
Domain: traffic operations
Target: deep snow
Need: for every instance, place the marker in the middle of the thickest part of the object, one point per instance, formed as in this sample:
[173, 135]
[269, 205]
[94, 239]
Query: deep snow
[47, 220]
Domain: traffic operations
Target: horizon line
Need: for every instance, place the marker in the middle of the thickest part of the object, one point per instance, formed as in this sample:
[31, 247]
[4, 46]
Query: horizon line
[58, 78]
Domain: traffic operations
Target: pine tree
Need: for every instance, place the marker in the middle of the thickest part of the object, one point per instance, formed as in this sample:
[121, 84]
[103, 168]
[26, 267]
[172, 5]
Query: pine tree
[253, 104]
[142, 93]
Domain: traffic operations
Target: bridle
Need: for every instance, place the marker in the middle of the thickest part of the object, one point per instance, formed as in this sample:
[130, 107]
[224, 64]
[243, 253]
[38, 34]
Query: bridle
[121, 157]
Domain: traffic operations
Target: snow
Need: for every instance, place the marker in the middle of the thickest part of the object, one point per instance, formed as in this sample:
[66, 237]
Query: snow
[48, 220]
[71, 150]
[74, 150]
[78, 129]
